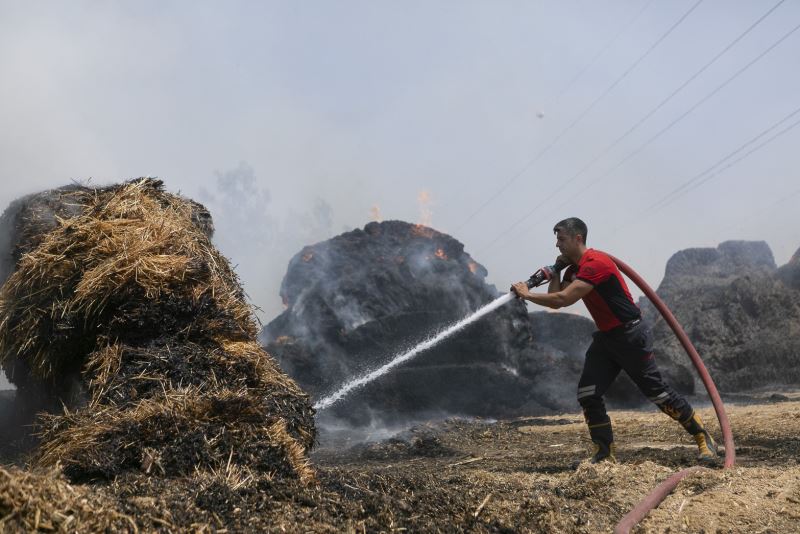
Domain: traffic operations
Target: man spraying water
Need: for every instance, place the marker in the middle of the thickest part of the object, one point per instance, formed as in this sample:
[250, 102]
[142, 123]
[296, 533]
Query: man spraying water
[623, 340]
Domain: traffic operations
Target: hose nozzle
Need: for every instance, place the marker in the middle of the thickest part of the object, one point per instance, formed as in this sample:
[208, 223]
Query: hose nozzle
[545, 274]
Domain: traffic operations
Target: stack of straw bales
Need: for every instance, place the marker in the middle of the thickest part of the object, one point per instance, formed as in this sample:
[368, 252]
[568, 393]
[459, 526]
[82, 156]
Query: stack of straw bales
[122, 287]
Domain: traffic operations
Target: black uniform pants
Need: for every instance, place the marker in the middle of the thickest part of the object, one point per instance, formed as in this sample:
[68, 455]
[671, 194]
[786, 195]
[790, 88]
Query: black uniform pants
[632, 350]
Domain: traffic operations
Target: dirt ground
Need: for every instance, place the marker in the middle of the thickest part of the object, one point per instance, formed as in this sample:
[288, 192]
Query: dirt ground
[440, 477]
[481, 476]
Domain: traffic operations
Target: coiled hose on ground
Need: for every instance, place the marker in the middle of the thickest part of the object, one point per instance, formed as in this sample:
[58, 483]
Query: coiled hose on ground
[660, 492]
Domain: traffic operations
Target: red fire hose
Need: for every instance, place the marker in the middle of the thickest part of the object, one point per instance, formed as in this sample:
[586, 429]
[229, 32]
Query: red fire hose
[661, 491]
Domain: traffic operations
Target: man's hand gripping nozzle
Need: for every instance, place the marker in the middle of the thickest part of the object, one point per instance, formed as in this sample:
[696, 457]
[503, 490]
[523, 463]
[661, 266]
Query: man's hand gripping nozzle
[545, 274]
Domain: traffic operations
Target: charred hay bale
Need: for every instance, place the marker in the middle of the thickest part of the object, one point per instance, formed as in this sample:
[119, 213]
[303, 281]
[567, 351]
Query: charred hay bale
[131, 265]
[790, 273]
[128, 295]
[354, 301]
[27, 220]
[172, 434]
[740, 311]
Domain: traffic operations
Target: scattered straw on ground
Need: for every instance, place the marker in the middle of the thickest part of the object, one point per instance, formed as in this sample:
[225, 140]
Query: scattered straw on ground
[45, 502]
[470, 476]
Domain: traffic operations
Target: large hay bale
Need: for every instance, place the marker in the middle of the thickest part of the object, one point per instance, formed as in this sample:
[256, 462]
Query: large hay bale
[121, 289]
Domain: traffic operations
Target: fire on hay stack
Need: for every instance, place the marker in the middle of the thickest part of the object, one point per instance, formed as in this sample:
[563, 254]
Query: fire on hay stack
[122, 288]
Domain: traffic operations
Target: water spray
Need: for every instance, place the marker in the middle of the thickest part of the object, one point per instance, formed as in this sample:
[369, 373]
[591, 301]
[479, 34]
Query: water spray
[424, 345]
[538, 278]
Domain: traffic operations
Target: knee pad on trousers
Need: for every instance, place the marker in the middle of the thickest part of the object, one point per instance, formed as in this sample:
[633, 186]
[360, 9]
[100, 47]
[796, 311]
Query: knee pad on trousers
[672, 405]
[662, 401]
[585, 394]
[594, 409]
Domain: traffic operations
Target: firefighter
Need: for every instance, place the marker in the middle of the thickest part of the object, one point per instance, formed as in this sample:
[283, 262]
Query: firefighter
[623, 340]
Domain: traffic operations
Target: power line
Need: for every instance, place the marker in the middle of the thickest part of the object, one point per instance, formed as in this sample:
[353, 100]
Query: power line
[766, 209]
[711, 175]
[731, 164]
[698, 104]
[714, 170]
[580, 117]
[660, 132]
[642, 120]
[598, 55]
[697, 180]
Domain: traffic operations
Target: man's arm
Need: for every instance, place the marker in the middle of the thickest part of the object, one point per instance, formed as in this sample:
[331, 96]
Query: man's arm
[555, 284]
[566, 297]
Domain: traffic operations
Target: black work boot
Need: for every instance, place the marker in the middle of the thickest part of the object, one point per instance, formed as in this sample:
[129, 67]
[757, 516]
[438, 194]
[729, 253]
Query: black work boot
[603, 438]
[707, 447]
[603, 452]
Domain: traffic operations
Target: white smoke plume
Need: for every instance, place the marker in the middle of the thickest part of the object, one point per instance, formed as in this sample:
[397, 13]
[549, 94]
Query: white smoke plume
[257, 235]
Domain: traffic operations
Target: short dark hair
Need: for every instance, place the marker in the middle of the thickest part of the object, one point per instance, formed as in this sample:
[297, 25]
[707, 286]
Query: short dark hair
[572, 226]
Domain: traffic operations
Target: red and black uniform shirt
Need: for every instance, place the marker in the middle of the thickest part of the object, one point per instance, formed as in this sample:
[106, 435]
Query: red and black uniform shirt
[610, 303]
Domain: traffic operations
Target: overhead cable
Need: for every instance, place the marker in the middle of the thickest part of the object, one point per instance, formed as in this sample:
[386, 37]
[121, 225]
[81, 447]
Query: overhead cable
[668, 127]
[650, 113]
[694, 183]
[702, 177]
[598, 55]
[580, 117]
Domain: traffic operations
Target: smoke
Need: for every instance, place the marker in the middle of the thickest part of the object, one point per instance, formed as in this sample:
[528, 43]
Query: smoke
[336, 433]
[16, 419]
[258, 234]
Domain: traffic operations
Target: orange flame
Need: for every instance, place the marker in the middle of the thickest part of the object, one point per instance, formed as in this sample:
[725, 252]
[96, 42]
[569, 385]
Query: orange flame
[375, 213]
[425, 213]
[307, 256]
[440, 254]
[422, 231]
[473, 267]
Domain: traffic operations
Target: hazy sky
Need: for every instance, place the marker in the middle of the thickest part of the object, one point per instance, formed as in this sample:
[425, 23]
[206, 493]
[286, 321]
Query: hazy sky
[292, 120]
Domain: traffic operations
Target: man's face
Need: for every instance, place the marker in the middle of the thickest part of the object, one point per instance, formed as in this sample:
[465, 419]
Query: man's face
[567, 244]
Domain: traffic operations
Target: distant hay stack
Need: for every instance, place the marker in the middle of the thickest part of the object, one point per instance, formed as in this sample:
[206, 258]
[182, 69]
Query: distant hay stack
[122, 288]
